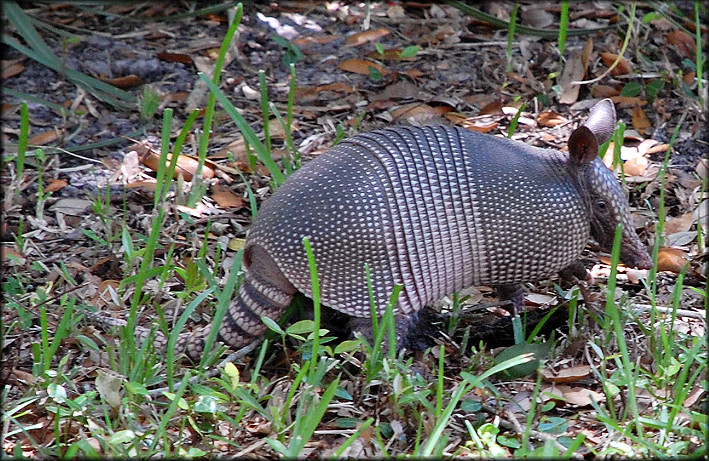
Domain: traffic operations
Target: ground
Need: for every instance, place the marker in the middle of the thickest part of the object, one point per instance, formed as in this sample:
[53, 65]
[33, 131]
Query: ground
[79, 214]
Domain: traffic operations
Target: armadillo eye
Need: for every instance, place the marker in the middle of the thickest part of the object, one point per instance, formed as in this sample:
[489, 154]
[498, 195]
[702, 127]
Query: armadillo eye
[601, 205]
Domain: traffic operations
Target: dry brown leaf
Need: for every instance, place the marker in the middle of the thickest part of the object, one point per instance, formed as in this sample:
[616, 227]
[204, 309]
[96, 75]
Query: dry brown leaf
[71, 206]
[339, 87]
[418, 112]
[413, 73]
[587, 54]
[539, 299]
[361, 66]
[680, 223]
[186, 165]
[366, 36]
[148, 184]
[689, 77]
[8, 254]
[225, 198]
[685, 44]
[493, 107]
[581, 396]
[44, 138]
[573, 71]
[658, 148]
[604, 91]
[566, 375]
[693, 397]
[175, 57]
[671, 259]
[640, 121]
[635, 166]
[482, 124]
[623, 67]
[320, 40]
[56, 185]
[128, 81]
[549, 119]
[624, 102]
[11, 68]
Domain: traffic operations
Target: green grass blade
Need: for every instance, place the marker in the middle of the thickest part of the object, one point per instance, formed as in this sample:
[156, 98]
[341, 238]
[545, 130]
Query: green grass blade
[249, 134]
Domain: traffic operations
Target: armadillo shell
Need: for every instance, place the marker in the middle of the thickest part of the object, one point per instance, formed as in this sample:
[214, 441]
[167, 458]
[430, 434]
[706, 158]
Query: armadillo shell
[434, 209]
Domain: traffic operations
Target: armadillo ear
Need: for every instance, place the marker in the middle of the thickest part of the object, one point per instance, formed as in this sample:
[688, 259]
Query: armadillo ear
[601, 120]
[583, 146]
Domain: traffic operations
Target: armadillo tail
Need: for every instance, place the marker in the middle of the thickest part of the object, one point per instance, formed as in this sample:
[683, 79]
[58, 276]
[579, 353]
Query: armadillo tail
[265, 292]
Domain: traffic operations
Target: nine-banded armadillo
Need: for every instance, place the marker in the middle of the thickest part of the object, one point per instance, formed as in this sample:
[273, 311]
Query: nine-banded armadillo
[435, 209]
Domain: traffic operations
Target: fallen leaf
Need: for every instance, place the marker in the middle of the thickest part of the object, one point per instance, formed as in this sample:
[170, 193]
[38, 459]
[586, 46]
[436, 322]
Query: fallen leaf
[604, 91]
[108, 385]
[175, 57]
[680, 223]
[573, 71]
[586, 54]
[148, 185]
[418, 112]
[622, 68]
[671, 259]
[689, 77]
[493, 107]
[339, 87]
[624, 102]
[539, 299]
[71, 206]
[44, 138]
[635, 166]
[581, 396]
[107, 268]
[361, 66]
[685, 44]
[9, 254]
[366, 36]
[225, 198]
[128, 81]
[236, 244]
[640, 121]
[320, 40]
[658, 148]
[56, 185]
[566, 375]
[550, 119]
[482, 124]
[680, 239]
[186, 164]
[11, 68]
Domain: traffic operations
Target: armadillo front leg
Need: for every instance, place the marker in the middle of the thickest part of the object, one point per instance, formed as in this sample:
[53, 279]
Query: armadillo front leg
[511, 292]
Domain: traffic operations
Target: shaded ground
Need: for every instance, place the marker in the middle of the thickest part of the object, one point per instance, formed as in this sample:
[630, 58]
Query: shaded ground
[343, 83]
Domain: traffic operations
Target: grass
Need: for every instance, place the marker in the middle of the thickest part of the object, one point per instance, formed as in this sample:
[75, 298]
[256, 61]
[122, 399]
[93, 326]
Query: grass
[311, 392]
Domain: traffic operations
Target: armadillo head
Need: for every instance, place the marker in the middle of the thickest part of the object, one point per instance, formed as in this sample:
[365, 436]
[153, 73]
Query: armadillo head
[608, 204]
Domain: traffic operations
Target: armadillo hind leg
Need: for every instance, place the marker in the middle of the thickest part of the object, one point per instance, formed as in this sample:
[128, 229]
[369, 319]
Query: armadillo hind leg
[511, 292]
[265, 292]
[573, 271]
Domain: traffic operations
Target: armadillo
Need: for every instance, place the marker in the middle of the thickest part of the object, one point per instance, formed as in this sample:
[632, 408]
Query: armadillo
[434, 209]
